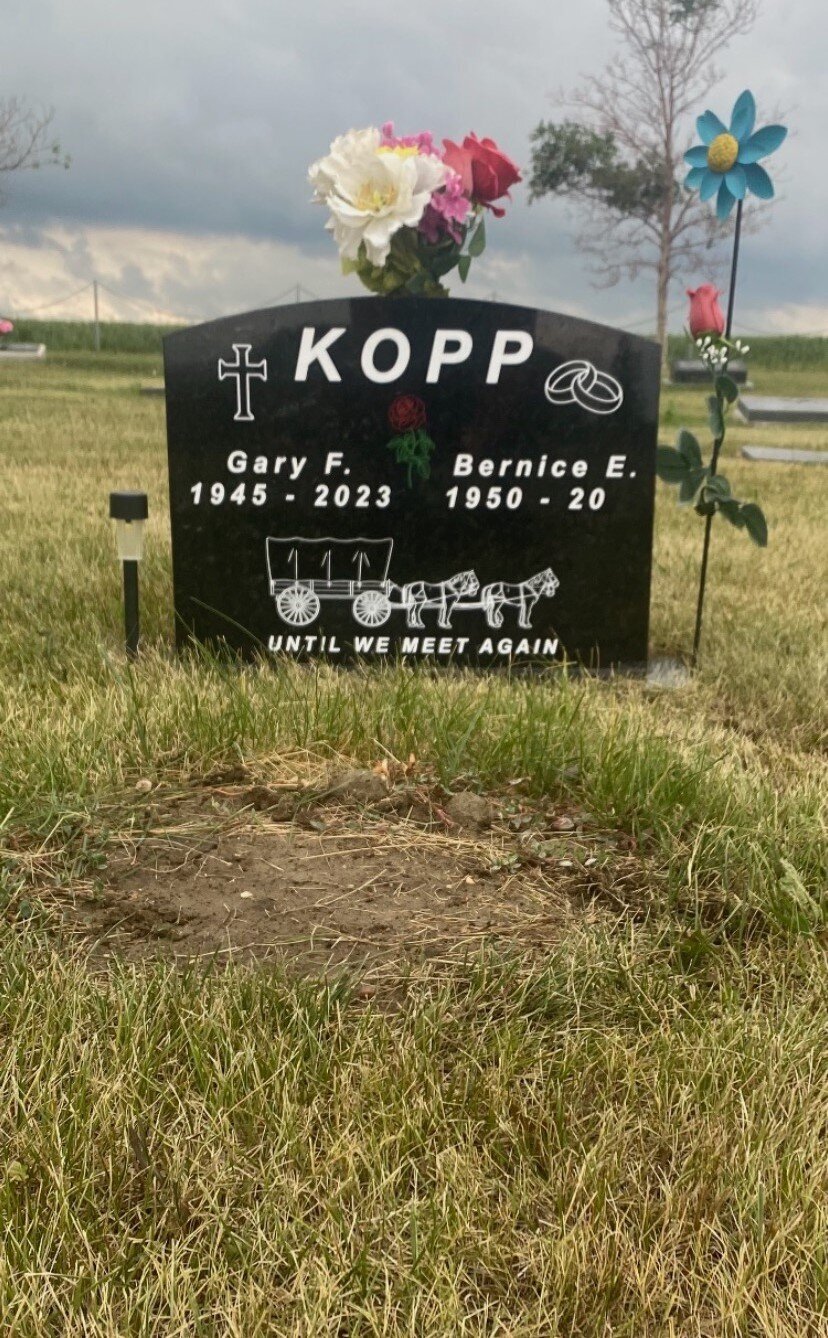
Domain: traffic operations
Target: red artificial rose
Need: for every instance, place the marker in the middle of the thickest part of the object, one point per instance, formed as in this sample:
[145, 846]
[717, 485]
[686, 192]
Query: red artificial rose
[484, 169]
[406, 412]
[706, 317]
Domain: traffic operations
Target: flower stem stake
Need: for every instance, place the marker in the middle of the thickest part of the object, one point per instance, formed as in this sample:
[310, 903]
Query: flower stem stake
[718, 442]
[129, 510]
[726, 165]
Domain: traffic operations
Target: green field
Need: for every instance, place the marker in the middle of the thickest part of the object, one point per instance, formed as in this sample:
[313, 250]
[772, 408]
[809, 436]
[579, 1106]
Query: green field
[623, 1134]
[773, 352]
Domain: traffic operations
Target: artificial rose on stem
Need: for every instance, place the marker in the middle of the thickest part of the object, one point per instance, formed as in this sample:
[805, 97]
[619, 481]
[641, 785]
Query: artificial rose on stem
[699, 483]
[706, 316]
[403, 212]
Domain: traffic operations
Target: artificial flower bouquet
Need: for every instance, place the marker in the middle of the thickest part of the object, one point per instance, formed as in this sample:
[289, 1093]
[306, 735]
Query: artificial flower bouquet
[405, 213]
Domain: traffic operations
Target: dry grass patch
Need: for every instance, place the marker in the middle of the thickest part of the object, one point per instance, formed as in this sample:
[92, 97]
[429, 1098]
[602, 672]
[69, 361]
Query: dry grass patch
[616, 1126]
[316, 881]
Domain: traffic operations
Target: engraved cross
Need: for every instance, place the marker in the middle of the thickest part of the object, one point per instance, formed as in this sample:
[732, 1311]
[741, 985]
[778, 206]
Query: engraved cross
[243, 371]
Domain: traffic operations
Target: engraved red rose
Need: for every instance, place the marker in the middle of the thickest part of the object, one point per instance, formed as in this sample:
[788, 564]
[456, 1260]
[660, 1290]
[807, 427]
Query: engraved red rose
[406, 412]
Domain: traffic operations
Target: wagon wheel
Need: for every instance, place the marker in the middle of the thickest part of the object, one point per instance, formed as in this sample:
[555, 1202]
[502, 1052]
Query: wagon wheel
[297, 605]
[372, 608]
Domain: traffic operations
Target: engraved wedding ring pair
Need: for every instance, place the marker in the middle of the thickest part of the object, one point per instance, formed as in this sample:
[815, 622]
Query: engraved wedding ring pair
[578, 382]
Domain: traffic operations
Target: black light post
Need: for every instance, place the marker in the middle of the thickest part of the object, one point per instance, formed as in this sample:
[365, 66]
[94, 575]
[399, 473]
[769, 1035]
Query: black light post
[129, 510]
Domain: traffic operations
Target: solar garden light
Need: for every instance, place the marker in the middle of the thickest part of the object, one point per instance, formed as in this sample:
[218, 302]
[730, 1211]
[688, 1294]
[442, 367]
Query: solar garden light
[129, 510]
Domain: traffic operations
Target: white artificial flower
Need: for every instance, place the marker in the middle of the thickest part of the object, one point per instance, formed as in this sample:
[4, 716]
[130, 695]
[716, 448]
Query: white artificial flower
[373, 191]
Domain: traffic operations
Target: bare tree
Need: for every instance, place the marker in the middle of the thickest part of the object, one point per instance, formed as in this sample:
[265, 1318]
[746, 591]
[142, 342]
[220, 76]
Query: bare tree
[622, 154]
[25, 139]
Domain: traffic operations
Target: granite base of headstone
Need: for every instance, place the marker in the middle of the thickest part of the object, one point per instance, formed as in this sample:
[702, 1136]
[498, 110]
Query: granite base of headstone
[152, 390]
[782, 456]
[22, 352]
[779, 409]
[692, 372]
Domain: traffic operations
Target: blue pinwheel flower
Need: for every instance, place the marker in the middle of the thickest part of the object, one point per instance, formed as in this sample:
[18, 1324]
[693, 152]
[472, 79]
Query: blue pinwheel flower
[727, 159]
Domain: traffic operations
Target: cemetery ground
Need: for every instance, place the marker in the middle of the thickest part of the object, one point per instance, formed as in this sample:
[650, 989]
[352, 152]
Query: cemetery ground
[297, 1041]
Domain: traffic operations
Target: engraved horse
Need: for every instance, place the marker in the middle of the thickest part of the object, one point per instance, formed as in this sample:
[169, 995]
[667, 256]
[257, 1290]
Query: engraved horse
[523, 595]
[442, 595]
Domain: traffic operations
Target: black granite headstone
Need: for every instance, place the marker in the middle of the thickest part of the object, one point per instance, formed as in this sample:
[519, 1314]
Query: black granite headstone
[438, 479]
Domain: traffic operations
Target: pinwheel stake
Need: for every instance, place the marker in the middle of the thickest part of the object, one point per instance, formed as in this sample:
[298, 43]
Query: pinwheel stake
[717, 446]
[725, 164]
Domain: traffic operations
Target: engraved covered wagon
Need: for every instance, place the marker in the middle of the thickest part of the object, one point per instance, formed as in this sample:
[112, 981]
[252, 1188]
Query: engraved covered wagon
[303, 572]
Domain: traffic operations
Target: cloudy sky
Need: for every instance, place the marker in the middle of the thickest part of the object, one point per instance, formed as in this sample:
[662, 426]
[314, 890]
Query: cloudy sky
[191, 124]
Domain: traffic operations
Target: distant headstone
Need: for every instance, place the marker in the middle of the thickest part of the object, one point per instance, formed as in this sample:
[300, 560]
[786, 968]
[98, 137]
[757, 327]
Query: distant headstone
[780, 455]
[770, 409]
[435, 479]
[692, 371]
[22, 352]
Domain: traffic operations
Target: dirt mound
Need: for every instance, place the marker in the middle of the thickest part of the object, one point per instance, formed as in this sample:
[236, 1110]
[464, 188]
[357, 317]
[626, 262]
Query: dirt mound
[346, 876]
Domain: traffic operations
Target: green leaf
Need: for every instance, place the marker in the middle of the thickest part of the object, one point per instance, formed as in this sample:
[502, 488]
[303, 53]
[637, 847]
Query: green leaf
[691, 483]
[746, 516]
[417, 283]
[438, 259]
[477, 245]
[671, 465]
[727, 388]
[755, 523]
[715, 417]
[732, 512]
[716, 489]
[689, 447]
[463, 267]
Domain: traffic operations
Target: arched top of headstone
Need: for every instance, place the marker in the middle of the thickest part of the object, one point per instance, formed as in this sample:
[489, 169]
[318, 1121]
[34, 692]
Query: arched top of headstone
[346, 308]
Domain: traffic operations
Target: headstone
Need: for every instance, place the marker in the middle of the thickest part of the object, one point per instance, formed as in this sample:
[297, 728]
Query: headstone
[22, 352]
[772, 409]
[692, 371]
[436, 479]
[780, 455]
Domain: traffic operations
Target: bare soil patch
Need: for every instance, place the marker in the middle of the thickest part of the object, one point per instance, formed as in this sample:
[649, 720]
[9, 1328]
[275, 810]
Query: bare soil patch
[351, 876]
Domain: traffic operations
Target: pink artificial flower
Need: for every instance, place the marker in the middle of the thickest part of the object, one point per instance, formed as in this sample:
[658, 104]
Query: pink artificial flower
[446, 211]
[423, 143]
[6, 327]
[706, 316]
[486, 172]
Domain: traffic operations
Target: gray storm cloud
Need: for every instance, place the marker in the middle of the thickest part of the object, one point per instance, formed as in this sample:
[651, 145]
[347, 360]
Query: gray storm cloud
[198, 121]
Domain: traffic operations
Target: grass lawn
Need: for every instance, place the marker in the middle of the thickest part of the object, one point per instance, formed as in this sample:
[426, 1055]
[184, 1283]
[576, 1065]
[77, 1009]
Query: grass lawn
[622, 1133]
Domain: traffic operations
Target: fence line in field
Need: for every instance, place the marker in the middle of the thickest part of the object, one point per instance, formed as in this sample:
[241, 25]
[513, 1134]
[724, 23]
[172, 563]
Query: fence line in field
[296, 292]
